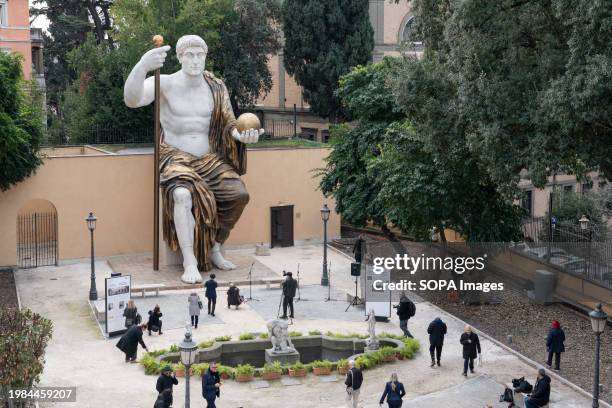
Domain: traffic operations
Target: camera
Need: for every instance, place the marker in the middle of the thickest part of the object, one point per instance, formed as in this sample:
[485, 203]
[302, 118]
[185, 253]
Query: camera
[396, 306]
[284, 273]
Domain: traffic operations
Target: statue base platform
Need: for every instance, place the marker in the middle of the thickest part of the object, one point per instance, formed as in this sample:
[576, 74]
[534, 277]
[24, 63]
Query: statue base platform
[284, 358]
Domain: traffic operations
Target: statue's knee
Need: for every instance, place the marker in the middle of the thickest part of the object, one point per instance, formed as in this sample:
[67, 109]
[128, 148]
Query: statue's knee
[181, 196]
[243, 196]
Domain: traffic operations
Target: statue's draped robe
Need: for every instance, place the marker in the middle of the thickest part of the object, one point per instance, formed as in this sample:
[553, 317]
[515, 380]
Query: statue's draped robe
[218, 195]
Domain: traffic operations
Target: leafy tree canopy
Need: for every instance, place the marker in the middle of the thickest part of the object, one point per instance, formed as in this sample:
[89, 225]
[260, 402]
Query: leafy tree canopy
[20, 125]
[324, 39]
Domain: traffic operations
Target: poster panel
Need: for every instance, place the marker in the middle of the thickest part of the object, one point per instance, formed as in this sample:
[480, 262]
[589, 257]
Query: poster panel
[118, 292]
[378, 300]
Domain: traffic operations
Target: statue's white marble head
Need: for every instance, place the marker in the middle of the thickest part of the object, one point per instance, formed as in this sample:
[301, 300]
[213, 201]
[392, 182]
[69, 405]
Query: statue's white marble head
[191, 52]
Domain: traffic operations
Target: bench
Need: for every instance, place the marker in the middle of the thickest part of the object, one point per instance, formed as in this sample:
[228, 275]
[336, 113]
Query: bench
[519, 398]
[268, 281]
[148, 286]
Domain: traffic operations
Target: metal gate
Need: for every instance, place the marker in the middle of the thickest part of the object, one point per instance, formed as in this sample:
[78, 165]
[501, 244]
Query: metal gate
[37, 239]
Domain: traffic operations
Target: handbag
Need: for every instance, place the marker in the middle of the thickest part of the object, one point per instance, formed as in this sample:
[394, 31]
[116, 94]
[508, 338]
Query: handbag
[138, 318]
[200, 305]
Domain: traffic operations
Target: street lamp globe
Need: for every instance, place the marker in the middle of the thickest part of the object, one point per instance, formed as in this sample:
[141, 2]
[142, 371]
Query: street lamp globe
[598, 319]
[584, 222]
[325, 212]
[91, 221]
[188, 349]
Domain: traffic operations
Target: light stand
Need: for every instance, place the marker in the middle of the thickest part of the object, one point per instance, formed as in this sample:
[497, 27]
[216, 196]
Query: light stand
[298, 283]
[251, 283]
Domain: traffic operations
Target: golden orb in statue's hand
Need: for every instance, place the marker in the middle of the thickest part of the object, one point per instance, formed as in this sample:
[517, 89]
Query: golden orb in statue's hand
[158, 40]
[247, 121]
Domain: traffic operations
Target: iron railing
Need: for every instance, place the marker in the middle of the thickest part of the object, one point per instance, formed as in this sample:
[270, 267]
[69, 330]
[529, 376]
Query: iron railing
[586, 253]
[37, 239]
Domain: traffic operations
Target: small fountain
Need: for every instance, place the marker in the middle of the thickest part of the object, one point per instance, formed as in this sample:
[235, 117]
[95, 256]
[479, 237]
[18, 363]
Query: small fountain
[282, 348]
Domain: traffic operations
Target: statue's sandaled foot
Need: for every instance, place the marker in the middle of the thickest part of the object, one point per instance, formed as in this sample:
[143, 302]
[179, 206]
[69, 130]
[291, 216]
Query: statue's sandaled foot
[191, 274]
[219, 261]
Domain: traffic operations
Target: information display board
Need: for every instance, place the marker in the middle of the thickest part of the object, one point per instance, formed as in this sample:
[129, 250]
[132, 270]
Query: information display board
[118, 292]
[377, 300]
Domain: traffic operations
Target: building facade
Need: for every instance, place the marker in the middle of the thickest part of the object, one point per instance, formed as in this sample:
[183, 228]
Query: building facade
[285, 103]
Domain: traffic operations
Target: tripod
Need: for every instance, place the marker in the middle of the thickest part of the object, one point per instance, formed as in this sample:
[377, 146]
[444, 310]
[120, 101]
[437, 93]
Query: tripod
[279, 308]
[328, 282]
[251, 283]
[298, 283]
[356, 301]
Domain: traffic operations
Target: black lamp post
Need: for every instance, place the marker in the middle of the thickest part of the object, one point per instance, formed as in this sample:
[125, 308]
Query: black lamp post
[91, 224]
[598, 321]
[585, 227]
[325, 217]
[188, 350]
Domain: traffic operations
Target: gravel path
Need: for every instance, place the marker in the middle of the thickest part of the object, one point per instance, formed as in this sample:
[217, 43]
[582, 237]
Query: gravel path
[528, 325]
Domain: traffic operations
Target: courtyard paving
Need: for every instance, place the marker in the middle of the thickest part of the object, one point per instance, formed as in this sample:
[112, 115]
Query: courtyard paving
[78, 355]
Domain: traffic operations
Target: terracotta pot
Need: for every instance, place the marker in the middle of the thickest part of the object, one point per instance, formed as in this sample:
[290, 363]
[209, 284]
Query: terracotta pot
[297, 373]
[271, 376]
[180, 372]
[244, 377]
[225, 376]
[342, 370]
[399, 356]
[321, 371]
[389, 359]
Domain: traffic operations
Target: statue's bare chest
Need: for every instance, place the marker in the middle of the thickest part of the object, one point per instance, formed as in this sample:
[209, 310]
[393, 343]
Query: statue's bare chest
[189, 101]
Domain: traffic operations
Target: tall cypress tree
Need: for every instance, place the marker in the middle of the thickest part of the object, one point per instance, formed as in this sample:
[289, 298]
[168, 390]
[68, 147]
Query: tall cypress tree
[324, 39]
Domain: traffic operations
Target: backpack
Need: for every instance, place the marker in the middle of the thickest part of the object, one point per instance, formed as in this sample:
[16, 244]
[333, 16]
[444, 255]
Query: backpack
[525, 387]
[411, 308]
[507, 396]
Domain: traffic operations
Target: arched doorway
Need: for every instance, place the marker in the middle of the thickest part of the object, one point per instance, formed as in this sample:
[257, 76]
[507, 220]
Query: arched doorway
[37, 234]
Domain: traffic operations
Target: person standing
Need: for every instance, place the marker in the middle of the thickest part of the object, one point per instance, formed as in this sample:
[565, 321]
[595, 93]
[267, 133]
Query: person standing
[405, 310]
[211, 293]
[131, 314]
[164, 399]
[166, 381]
[540, 395]
[211, 381]
[233, 296]
[128, 343]
[358, 248]
[289, 286]
[436, 330]
[353, 381]
[555, 344]
[471, 349]
[155, 322]
[195, 304]
[394, 392]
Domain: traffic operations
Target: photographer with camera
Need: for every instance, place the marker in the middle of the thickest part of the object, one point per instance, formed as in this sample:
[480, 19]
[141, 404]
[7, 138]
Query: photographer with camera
[166, 380]
[405, 310]
[289, 287]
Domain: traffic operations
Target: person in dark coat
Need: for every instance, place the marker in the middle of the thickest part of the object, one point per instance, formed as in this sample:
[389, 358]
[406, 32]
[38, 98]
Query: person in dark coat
[471, 349]
[405, 310]
[394, 392]
[358, 248]
[436, 330]
[131, 314]
[211, 294]
[540, 395]
[555, 344]
[233, 296]
[353, 381]
[211, 381]
[155, 322]
[166, 381]
[128, 343]
[289, 286]
[164, 399]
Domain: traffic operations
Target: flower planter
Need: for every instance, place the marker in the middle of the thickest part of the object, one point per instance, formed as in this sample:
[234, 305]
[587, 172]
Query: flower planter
[321, 371]
[342, 370]
[180, 372]
[399, 356]
[389, 359]
[225, 376]
[297, 373]
[244, 377]
[271, 376]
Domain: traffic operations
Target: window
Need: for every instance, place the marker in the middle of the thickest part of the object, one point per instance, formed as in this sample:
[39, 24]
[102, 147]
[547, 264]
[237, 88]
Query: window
[527, 202]
[408, 31]
[568, 188]
[3, 13]
[586, 187]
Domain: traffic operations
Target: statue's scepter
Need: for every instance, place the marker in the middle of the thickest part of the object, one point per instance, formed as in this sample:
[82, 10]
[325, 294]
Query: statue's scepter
[158, 41]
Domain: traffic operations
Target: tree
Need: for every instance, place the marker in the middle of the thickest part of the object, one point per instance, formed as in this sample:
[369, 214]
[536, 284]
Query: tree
[20, 125]
[24, 338]
[324, 39]
[365, 95]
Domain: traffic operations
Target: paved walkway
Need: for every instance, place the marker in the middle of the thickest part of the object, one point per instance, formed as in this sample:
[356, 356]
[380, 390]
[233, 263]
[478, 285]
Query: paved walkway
[79, 356]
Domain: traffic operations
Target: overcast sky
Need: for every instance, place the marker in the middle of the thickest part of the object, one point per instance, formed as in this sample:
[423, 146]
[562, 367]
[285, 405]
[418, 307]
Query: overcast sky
[40, 21]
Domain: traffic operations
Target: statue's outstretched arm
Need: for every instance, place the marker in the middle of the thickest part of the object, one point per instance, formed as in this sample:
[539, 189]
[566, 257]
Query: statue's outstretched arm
[140, 90]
